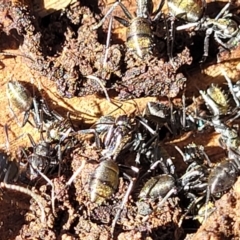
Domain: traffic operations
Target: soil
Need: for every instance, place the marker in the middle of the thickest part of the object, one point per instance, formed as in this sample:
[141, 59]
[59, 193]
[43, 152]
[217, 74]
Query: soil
[52, 66]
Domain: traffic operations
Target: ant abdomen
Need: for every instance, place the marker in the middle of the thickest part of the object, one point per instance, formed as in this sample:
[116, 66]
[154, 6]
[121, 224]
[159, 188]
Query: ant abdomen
[104, 181]
[139, 36]
[223, 176]
[157, 186]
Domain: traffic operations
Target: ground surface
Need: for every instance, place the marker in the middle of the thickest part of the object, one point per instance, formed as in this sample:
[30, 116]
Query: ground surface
[76, 217]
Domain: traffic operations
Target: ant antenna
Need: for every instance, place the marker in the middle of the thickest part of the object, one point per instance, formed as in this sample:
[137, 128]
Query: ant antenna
[15, 55]
[107, 42]
[101, 85]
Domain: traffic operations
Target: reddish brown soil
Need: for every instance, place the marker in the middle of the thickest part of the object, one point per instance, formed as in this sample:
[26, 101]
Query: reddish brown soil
[76, 217]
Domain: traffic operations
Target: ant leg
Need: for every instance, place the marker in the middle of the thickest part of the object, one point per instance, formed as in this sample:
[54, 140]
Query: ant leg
[170, 166]
[173, 191]
[152, 167]
[172, 118]
[188, 25]
[13, 167]
[224, 11]
[66, 134]
[107, 45]
[26, 119]
[7, 137]
[69, 182]
[170, 39]
[16, 117]
[225, 46]
[230, 86]
[123, 21]
[210, 103]
[106, 15]
[206, 44]
[125, 10]
[141, 120]
[13, 170]
[26, 191]
[87, 131]
[184, 110]
[181, 153]
[206, 203]
[190, 207]
[72, 178]
[206, 156]
[158, 12]
[52, 191]
[33, 143]
[124, 201]
[37, 113]
[59, 156]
